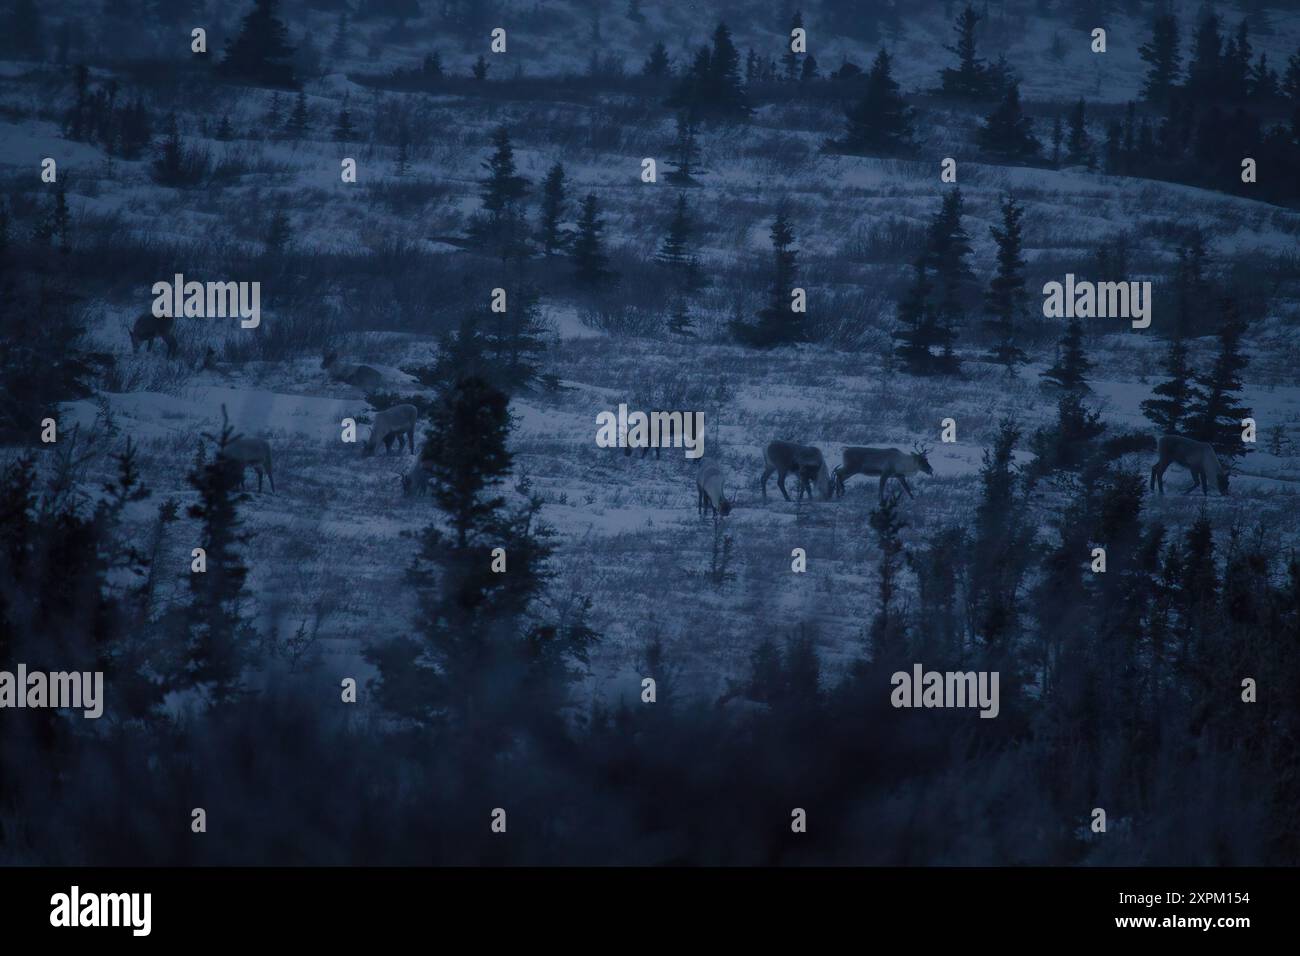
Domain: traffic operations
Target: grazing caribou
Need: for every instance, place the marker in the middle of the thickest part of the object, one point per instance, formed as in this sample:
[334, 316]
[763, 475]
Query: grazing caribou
[709, 485]
[885, 462]
[243, 452]
[1196, 456]
[805, 461]
[361, 376]
[149, 327]
[396, 422]
[417, 478]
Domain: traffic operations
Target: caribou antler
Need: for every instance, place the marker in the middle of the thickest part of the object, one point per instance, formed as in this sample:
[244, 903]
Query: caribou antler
[921, 448]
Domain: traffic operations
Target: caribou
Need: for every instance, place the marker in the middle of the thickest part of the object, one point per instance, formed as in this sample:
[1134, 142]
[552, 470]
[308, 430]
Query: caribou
[1196, 456]
[709, 485]
[806, 461]
[396, 422]
[885, 462]
[417, 478]
[360, 376]
[243, 452]
[149, 327]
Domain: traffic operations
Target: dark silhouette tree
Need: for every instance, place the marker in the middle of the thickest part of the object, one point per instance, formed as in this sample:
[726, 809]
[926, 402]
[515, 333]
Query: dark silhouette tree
[778, 323]
[1071, 367]
[881, 121]
[971, 79]
[1216, 411]
[260, 53]
[1205, 69]
[1007, 131]
[1079, 149]
[344, 132]
[676, 248]
[1163, 59]
[503, 187]
[217, 637]
[657, 64]
[592, 265]
[1005, 299]
[1171, 402]
[299, 122]
[686, 154]
[551, 211]
[888, 633]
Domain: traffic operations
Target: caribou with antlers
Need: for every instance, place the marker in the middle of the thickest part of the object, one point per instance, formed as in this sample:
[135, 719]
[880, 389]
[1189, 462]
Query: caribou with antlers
[885, 462]
[243, 453]
[1196, 456]
[396, 422]
[709, 485]
[806, 461]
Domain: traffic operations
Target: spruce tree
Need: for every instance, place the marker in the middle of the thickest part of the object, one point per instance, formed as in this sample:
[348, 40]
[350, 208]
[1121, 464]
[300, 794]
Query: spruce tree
[790, 59]
[480, 660]
[218, 637]
[513, 343]
[713, 86]
[1216, 411]
[588, 246]
[503, 187]
[916, 333]
[299, 122]
[970, 80]
[679, 320]
[1006, 294]
[551, 211]
[685, 154]
[888, 634]
[676, 249]
[1068, 444]
[999, 556]
[1291, 79]
[777, 324]
[657, 65]
[1168, 409]
[1078, 144]
[947, 253]
[881, 120]
[724, 92]
[1163, 59]
[260, 53]
[1071, 367]
[1007, 131]
[1205, 69]
[343, 129]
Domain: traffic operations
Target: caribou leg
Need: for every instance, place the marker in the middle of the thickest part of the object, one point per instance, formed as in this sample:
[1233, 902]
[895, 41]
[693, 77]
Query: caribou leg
[1158, 474]
[905, 486]
[780, 483]
[767, 473]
